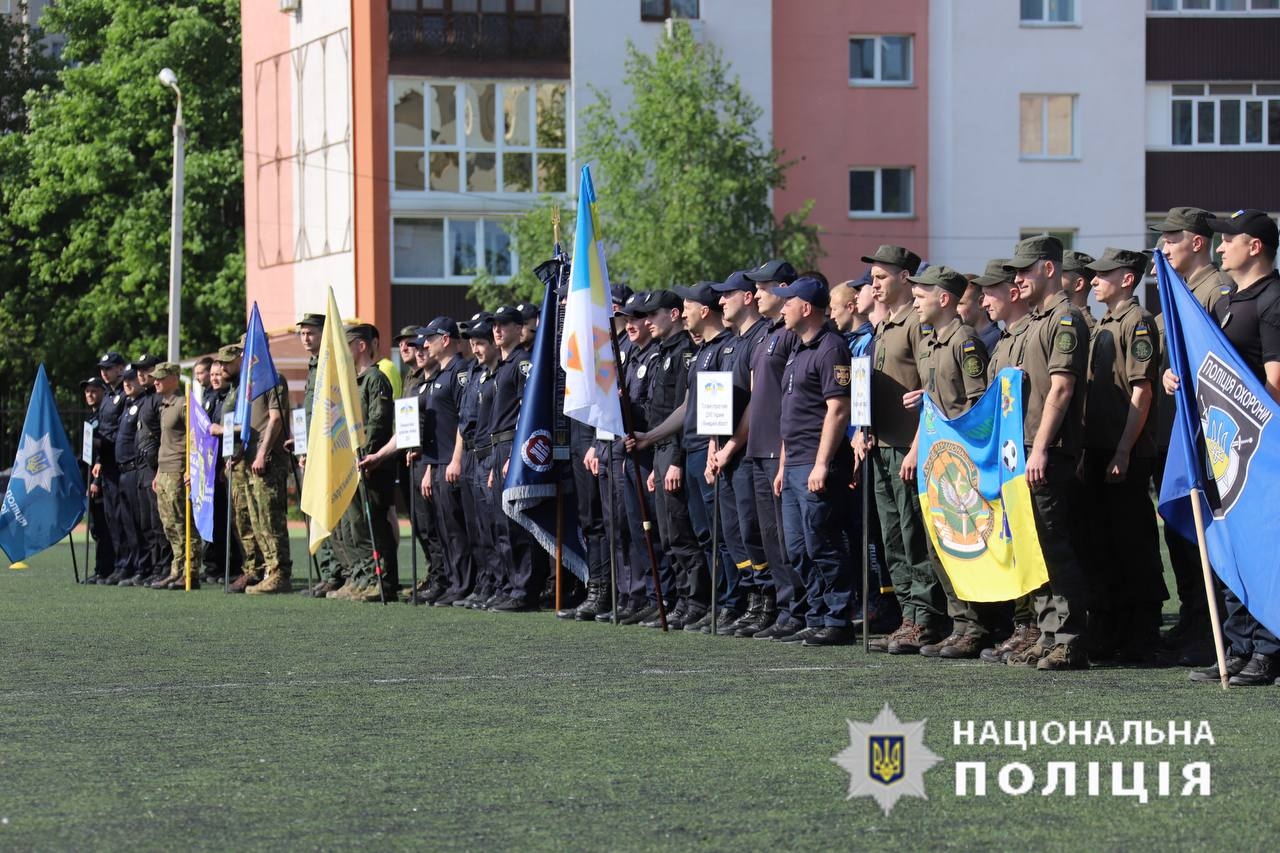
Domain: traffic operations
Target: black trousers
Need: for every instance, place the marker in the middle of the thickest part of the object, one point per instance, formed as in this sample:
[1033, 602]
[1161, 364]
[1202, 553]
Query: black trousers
[427, 528]
[525, 577]
[586, 490]
[679, 541]
[451, 523]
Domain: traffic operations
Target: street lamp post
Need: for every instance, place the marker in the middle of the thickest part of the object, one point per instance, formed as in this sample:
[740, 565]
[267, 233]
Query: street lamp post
[169, 79]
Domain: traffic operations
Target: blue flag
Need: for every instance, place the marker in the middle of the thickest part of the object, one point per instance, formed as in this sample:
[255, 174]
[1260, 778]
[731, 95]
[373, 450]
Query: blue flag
[258, 373]
[202, 461]
[46, 496]
[528, 493]
[1221, 447]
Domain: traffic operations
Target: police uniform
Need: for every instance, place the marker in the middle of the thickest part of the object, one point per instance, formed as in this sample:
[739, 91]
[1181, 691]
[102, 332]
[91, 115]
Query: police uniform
[1126, 577]
[425, 521]
[439, 429]
[131, 540]
[472, 497]
[108, 471]
[492, 569]
[636, 594]
[523, 577]
[104, 553]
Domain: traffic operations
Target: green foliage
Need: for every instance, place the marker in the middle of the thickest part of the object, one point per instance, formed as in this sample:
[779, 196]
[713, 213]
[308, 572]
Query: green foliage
[532, 241]
[682, 177]
[25, 66]
[86, 191]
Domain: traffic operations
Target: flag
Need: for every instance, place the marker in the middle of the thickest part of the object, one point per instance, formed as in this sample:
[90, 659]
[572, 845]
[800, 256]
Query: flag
[336, 433]
[1222, 413]
[586, 350]
[46, 497]
[528, 493]
[972, 483]
[258, 373]
[202, 459]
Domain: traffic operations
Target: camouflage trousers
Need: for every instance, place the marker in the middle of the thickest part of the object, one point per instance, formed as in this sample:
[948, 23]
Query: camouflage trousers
[242, 517]
[268, 508]
[171, 500]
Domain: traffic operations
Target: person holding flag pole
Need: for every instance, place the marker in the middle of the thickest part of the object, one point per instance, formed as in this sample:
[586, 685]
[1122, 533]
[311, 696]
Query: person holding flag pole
[170, 480]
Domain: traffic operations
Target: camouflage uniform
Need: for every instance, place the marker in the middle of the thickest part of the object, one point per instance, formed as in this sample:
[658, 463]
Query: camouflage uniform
[171, 493]
[267, 493]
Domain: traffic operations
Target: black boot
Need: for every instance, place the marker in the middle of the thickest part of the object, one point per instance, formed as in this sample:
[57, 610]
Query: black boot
[596, 602]
[765, 616]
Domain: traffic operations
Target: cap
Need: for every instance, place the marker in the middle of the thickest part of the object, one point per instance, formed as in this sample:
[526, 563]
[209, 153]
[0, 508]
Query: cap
[507, 314]
[478, 317]
[1255, 223]
[703, 293]
[862, 280]
[808, 288]
[361, 331]
[997, 272]
[631, 308]
[129, 374]
[656, 300]
[1193, 219]
[1073, 261]
[229, 353]
[316, 320]
[529, 310]
[93, 382]
[775, 270]
[146, 362]
[165, 369]
[440, 326]
[735, 281]
[406, 333]
[1115, 259]
[111, 359]
[481, 330]
[1042, 247]
[620, 293]
[942, 276]
[894, 256]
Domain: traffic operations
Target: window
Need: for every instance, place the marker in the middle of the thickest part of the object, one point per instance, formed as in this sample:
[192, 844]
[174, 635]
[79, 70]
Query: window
[1066, 235]
[449, 249]
[881, 192]
[477, 136]
[660, 10]
[1225, 115]
[1212, 7]
[1053, 13]
[883, 60]
[1048, 127]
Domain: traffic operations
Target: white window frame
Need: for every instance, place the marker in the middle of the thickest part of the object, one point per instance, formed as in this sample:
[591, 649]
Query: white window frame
[1043, 20]
[446, 233]
[1044, 125]
[878, 213]
[1208, 96]
[877, 80]
[460, 146]
[1210, 12]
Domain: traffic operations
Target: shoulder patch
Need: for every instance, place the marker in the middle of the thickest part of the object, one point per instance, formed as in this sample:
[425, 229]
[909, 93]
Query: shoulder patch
[1065, 320]
[462, 378]
[1225, 290]
[525, 367]
[1142, 349]
[1141, 329]
[1065, 342]
[972, 365]
[688, 358]
[926, 328]
[841, 374]
[969, 346]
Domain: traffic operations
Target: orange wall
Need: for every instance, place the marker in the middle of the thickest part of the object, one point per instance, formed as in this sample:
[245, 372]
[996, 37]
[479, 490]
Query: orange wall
[828, 126]
[269, 227]
[369, 62]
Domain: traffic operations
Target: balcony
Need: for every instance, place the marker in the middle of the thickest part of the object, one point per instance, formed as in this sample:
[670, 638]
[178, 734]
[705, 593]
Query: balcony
[506, 37]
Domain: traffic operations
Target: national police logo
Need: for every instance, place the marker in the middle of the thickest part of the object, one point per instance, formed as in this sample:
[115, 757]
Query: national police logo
[462, 378]
[525, 367]
[961, 517]
[641, 371]
[1233, 419]
[886, 759]
[842, 374]
[537, 451]
[688, 359]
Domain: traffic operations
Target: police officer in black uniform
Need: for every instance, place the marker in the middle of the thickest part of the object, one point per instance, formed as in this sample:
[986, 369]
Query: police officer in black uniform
[131, 538]
[105, 470]
[474, 413]
[94, 389]
[155, 545]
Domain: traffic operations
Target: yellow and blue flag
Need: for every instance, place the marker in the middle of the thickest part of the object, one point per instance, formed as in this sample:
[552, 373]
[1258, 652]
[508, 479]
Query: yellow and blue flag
[972, 484]
[45, 498]
[336, 433]
[1224, 447]
[258, 375]
[586, 346]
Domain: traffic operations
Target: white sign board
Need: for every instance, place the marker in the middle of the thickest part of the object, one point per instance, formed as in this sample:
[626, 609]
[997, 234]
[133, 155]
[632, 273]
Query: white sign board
[298, 426]
[715, 402]
[228, 435]
[860, 391]
[86, 444]
[407, 433]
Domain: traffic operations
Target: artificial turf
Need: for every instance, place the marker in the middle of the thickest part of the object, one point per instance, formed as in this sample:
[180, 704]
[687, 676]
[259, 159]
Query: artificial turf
[146, 720]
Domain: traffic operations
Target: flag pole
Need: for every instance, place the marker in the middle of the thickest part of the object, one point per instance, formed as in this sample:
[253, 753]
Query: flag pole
[226, 550]
[555, 236]
[413, 530]
[866, 550]
[1214, 618]
[715, 546]
[313, 570]
[613, 542]
[368, 518]
[71, 540]
[559, 540]
[88, 514]
[186, 488]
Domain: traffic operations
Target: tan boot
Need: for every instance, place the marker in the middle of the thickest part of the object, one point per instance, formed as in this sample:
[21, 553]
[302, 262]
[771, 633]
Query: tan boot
[347, 592]
[275, 582]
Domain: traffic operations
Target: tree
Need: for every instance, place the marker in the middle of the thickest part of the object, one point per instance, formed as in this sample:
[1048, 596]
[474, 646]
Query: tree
[683, 180]
[86, 191]
[25, 66]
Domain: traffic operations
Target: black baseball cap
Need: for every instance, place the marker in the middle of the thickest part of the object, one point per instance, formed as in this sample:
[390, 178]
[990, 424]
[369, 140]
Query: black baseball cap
[94, 382]
[620, 293]
[111, 359]
[808, 288]
[479, 330]
[704, 293]
[147, 362]
[631, 307]
[1255, 223]
[529, 310]
[507, 314]
[736, 281]
[775, 270]
[440, 326]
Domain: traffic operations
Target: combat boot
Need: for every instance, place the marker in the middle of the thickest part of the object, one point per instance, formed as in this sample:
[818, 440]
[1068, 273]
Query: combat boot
[933, 650]
[881, 644]
[596, 602]
[1023, 635]
[766, 614]
[243, 582]
[275, 582]
[1063, 656]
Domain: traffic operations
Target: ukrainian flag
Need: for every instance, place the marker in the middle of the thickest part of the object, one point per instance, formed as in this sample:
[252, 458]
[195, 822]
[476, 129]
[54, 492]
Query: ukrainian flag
[972, 484]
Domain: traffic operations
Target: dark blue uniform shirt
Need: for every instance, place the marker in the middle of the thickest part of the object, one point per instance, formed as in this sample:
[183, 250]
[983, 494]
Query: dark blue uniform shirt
[764, 440]
[816, 372]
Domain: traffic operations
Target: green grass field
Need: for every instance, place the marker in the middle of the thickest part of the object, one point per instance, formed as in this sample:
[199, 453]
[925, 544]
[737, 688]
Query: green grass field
[137, 719]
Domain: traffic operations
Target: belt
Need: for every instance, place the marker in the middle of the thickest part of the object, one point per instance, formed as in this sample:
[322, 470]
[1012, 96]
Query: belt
[128, 466]
[506, 435]
[476, 446]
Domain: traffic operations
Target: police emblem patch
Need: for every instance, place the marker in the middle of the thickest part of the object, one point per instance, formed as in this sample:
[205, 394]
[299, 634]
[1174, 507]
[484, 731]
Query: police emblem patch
[1233, 420]
[688, 359]
[666, 363]
[1142, 349]
[641, 371]
[1065, 342]
[537, 451]
[886, 759]
[462, 379]
[842, 374]
[972, 365]
[525, 367]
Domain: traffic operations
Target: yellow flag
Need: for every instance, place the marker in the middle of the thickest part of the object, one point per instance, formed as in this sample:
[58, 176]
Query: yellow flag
[336, 433]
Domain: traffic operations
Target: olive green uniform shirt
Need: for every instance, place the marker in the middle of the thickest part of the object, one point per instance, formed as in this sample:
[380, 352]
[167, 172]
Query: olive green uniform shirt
[1124, 350]
[259, 411]
[897, 339]
[375, 403]
[1058, 343]
[952, 363]
[173, 434]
